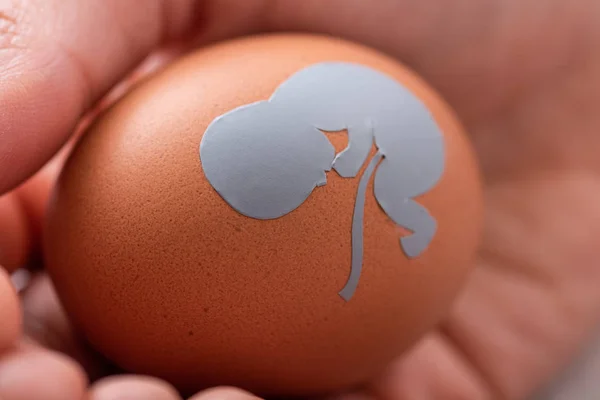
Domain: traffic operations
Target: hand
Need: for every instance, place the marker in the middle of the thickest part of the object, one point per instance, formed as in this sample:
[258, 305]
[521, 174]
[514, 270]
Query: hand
[524, 77]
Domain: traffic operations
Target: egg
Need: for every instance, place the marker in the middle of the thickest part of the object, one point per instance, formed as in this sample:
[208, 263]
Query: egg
[284, 213]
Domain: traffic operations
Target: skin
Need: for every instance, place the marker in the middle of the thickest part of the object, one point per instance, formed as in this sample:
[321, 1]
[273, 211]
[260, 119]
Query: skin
[524, 76]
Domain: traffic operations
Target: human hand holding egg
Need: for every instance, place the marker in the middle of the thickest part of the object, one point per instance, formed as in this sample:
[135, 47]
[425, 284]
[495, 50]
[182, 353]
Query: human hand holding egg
[508, 331]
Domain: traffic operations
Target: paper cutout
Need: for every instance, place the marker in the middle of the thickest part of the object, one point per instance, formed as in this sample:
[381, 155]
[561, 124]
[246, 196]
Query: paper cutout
[266, 158]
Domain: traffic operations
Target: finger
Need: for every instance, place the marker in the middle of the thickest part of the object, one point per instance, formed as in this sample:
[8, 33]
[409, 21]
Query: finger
[30, 373]
[224, 393]
[10, 313]
[46, 323]
[35, 193]
[60, 56]
[15, 236]
[132, 387]
[434, 369]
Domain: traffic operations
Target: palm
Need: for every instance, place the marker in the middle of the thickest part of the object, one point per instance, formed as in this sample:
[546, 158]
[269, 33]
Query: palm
[523, 76]
[525, 86]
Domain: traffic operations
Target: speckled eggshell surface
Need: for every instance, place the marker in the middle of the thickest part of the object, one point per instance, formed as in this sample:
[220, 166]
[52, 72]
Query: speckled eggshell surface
[165, 278]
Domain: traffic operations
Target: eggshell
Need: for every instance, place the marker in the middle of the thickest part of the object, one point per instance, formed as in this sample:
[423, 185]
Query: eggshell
[165, 278]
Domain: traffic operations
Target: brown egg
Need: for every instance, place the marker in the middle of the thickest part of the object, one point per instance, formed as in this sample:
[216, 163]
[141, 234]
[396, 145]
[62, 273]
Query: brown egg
[222, 259]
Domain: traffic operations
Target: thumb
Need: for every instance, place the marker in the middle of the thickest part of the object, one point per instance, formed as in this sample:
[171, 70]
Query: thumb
[58, 57]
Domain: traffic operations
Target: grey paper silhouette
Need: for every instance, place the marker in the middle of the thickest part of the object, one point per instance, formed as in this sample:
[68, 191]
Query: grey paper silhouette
[264, 166]
[266, 158]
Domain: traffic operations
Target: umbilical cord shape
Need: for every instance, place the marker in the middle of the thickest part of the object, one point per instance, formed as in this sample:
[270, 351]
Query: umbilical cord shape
[265, 158]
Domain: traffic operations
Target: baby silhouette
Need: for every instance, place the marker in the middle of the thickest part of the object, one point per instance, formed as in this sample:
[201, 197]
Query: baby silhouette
[266, 158]
[264, 165]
